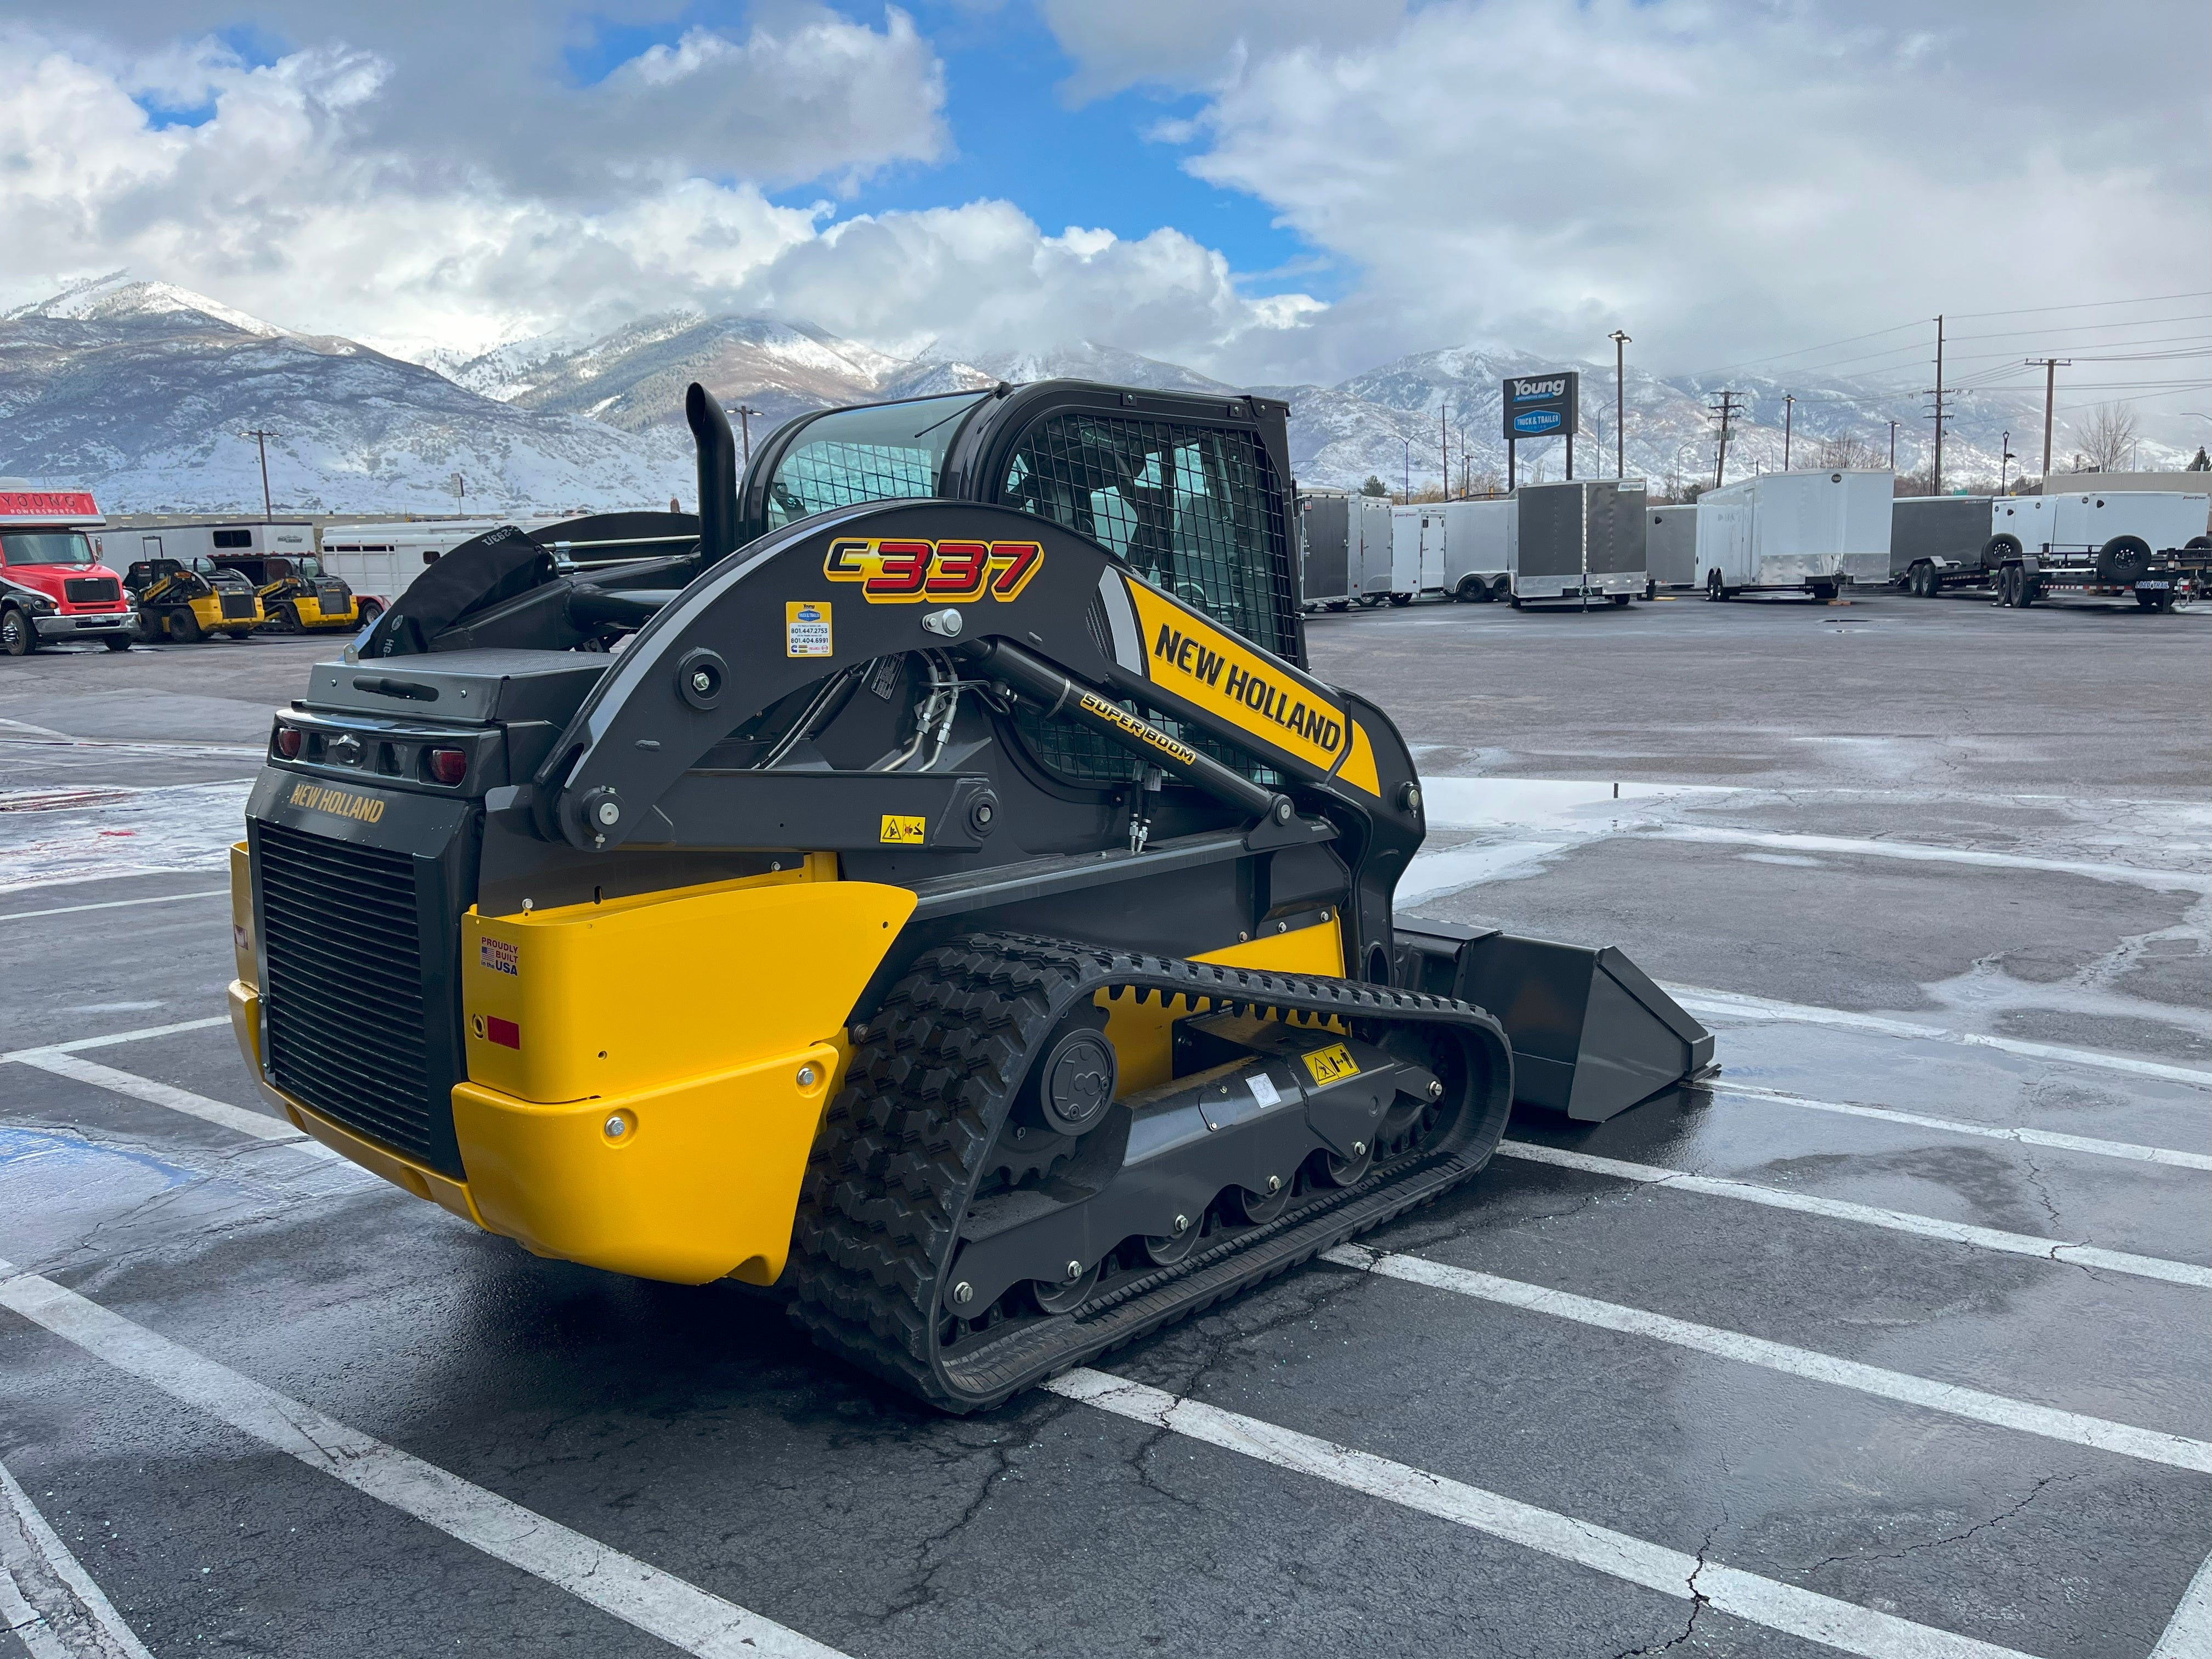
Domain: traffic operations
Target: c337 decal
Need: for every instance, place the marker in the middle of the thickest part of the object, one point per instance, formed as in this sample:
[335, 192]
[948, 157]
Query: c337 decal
[1204, 665]
[894, 570]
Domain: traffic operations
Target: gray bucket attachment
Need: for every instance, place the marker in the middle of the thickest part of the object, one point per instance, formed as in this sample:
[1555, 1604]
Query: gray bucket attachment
[1592, 1034]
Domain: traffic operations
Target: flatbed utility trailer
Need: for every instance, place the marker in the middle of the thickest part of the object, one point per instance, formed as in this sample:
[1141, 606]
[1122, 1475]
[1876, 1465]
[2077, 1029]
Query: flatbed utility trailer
[2147, 545]
[942, 892]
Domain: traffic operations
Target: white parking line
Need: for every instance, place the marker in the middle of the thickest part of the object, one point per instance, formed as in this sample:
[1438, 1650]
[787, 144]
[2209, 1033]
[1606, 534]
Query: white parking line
[1901, 1221]
[675, 1610]
[2075, 1427]
[48, 1598]
[2189, 1632]
[1765, 1602]
[2063, 1143]
[2188, 881]
[1733, 1005]
[77, 1045]
[260, 1125]
[117, 905]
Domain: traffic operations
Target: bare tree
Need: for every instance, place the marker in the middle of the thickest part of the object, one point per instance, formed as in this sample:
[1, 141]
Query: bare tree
[2109, 444]
[1844, 454]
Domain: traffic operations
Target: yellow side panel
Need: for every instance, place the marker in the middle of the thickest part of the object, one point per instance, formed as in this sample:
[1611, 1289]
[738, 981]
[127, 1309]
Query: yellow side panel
[1358, 768]
[245, 950]
[1143, 1033]
[701, 1182]
[637, 993]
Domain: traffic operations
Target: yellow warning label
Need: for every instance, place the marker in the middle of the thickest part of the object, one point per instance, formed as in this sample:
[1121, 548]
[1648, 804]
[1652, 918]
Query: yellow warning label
[904, 831]
[1331, 1064]
[806, 628]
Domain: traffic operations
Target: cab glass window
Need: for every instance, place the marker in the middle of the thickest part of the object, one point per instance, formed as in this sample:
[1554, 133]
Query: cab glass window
[310, 566]
[45, 547]
[885, 453]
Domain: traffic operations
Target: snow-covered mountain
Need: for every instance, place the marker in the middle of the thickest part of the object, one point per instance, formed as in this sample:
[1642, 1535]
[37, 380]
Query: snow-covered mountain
[141, 391]
[144, 392]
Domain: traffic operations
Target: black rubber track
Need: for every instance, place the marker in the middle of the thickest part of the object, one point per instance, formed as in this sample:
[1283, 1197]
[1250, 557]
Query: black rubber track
[902, 1149]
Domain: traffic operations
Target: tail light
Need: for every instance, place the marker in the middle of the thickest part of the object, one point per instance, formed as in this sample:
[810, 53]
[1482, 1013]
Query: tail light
[449, 765]
[287, 742]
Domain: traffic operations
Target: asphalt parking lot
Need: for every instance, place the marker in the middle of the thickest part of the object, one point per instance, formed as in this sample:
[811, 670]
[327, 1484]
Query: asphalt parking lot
[1890, 1342]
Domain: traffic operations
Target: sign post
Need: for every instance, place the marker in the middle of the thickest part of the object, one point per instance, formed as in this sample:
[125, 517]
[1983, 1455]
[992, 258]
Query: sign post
[1540, 406]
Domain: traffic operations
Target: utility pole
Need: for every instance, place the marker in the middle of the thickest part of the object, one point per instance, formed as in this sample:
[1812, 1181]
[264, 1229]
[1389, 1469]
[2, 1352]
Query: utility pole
[746, 413]
[1936, 472]
[1730, 406]
[261, 437]
[1443, 438]
[1620, 344]
[1893, 448]
[2051, 365]
[1788, 408]
[1409, 472]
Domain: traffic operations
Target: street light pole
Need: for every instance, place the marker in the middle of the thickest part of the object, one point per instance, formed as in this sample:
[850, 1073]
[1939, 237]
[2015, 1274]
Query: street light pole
[1620, 342]
[1788, 408]
[1892, 446]
[2005, 461]
[745, 412]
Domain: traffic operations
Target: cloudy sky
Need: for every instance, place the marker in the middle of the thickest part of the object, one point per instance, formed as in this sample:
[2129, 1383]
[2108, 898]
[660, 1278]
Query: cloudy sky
[1271, 189]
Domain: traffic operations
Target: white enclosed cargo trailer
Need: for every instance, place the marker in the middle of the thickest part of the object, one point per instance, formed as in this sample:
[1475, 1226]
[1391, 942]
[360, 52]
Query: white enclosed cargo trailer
[1417, 553]
[2144, 545]
[1372, 551]
[2084, 521]
[379, 560]
[1478, 543]
[1796, 532]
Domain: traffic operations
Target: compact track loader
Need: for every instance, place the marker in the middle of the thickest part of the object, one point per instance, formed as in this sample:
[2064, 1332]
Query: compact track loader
[297, 594]
[188, 602]
[942, 893]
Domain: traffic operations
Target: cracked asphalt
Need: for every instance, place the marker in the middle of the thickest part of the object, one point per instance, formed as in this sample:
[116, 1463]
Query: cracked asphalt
[696, 1430]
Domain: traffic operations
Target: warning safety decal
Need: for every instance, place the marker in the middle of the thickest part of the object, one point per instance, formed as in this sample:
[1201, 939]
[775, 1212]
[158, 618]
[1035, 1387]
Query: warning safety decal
[1331, 1064]
[901, 830]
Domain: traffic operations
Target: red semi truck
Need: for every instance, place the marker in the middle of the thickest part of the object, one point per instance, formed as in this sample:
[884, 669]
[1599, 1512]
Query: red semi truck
[52, 585]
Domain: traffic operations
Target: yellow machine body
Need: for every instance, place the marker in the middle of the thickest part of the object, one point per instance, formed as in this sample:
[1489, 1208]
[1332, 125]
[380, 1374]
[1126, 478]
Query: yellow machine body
[646, 1075]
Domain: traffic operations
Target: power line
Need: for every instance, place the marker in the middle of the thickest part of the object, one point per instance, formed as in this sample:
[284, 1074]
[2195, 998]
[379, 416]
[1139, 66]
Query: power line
[2092, 304]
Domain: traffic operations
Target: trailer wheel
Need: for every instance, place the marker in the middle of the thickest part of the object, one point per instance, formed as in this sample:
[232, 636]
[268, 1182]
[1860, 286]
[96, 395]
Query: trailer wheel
[2198, 542]
[2000, 548]
[2123, 561]
[370, 611]
[2025, 591]
[1712, 585]
[1401, 600]
[1621, 598]
[2156, 601]
[1822, 593]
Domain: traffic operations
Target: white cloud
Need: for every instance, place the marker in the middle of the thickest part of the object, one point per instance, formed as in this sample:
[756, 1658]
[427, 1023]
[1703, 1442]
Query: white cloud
[1726, 180]
[293, 202]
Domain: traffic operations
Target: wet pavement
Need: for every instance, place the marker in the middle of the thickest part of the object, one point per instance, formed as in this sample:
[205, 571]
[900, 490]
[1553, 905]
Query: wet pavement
[1893, 1341]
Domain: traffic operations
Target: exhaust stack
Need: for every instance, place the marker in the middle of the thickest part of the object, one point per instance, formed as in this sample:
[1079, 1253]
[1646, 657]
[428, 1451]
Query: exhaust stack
[718, 472]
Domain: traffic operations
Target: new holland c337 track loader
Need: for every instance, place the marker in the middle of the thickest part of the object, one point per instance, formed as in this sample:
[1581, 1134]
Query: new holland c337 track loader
[942, 893]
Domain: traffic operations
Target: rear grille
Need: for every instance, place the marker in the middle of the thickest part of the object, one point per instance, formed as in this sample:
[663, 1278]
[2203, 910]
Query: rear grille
[345, 1017]
[333, 597]
[238, 607]
[92, 589]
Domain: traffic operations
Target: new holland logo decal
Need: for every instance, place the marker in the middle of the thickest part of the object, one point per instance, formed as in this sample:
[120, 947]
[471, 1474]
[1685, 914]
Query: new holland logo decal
[893, 570]
[1208, 667]
[342, 802]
